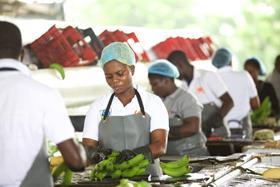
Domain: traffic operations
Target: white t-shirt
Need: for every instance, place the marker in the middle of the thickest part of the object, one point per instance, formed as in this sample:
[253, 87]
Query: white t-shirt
[152, 105]
[207, 86]
[29, 112]
[241, 88]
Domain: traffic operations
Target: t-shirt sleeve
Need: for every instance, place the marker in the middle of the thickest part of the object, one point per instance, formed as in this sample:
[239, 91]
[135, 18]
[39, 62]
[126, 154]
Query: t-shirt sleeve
[92, 121]
[190, 106]
[159, 115]
[251, 86]
[216, 84]
[57, 124]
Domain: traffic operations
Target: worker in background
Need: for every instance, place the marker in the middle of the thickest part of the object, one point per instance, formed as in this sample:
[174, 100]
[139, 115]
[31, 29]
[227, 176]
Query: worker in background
[128, 118]
[265, 89]
[243, 91]
[274, 78]
[29, 113]
[184, 110]
[210, 91]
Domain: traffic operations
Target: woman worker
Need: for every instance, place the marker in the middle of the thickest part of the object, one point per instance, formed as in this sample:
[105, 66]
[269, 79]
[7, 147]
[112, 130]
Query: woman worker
[128, 118]
[265, 89]
[185, 135]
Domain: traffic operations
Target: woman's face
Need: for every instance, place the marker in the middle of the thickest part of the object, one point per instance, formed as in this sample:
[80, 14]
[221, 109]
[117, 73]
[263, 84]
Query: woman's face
[254, 72]
[158, 85]
[118, 76]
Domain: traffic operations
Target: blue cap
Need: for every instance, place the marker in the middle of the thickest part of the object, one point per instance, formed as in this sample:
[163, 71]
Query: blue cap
[164, 68]
[221, 58]
[258, 63]
[119, 51]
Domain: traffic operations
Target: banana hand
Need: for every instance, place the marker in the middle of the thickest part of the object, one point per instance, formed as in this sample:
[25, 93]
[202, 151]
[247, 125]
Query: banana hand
[184, 161]
[177, 172]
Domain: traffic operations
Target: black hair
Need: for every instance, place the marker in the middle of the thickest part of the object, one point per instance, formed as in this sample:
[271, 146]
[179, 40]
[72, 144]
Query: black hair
[159, 76]
[277, 59]
[10, 40]
[254, 62]
[177, 54]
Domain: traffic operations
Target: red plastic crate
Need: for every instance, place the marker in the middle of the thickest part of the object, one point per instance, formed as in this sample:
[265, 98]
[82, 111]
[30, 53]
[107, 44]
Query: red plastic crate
[80, 47]
[108, 37]
[143, 53]
[195, 49]
[65, 47]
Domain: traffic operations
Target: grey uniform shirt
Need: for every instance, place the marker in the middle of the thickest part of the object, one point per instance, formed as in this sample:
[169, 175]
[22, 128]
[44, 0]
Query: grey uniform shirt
[182, 104]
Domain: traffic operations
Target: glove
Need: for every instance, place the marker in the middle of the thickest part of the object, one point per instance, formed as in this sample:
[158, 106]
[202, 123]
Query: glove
[105, 151]
[125, 155]
[94, 156]
[145, 150]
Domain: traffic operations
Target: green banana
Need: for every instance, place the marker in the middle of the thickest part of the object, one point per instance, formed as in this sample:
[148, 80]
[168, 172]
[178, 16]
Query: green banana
[142, 184]
[123, 166]
[67, 179]
[131, 172]
[114, 154]
[176, 164]
[136, 160]
[128, 183]
[100, 175]
[140, 171]
[177, 172]
[59, 68]
[143, 164]
[59, 170]
[116, 174]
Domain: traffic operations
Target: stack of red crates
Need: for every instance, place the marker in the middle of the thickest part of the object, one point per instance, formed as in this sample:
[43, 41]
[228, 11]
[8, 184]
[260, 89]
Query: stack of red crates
[108, 37]
[195, 49]
[64, 46]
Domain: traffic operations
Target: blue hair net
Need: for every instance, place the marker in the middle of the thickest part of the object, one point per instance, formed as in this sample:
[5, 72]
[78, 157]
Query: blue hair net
[258, 63]
[119, 51]
[221, 58]
[164, 68]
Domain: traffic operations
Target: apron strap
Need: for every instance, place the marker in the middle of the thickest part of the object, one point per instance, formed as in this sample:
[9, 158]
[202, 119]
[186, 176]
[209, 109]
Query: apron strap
[140, 102]
[111, 100]
[108, 106]
[8, 69]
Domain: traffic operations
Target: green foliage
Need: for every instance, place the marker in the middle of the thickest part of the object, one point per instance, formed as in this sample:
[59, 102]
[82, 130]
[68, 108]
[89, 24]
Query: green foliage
[261, 114]
[252, 30]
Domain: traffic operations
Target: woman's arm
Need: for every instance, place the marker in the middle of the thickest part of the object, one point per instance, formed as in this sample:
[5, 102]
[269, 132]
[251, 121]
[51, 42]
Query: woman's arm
[189, 127]
[89, 143]
[158, 142]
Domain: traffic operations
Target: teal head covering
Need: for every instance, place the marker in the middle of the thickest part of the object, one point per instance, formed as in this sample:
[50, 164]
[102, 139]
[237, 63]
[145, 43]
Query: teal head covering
[119, 51]
[164, 68]
[222, 58]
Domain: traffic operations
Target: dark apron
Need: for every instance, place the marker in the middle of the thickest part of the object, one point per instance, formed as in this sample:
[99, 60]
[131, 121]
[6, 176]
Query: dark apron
[192, 146]
[127, 132]
[246, 130]
[221, 130]
[39, 174]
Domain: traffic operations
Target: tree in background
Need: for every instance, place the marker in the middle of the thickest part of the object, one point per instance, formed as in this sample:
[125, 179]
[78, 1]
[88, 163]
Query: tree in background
[246, 27]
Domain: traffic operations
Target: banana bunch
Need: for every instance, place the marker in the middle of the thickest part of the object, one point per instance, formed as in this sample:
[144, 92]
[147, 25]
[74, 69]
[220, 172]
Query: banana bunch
[65, 172]
[176, 168]
[126, 169]
[128, 183]
[55, 161]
